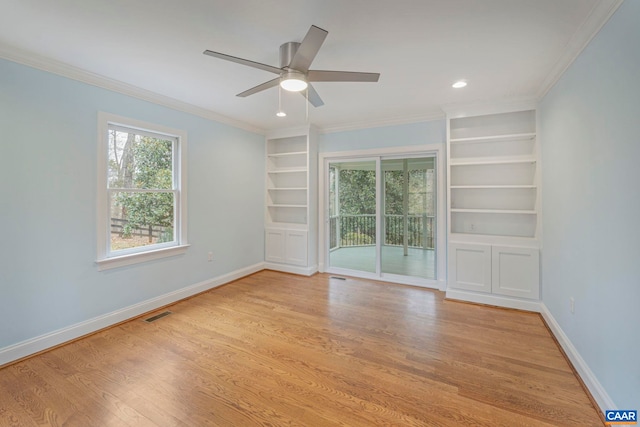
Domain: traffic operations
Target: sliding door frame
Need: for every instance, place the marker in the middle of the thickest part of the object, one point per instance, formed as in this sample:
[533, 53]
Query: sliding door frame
[430, 150]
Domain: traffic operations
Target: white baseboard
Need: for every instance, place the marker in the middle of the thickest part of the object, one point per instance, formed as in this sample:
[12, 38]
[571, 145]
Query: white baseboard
[490, 299]
[43, 342]
[588, 377]
[304, 271]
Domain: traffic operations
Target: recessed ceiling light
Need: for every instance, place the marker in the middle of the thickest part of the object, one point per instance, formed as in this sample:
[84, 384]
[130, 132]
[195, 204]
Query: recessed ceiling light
[459, 84]
[281, 114]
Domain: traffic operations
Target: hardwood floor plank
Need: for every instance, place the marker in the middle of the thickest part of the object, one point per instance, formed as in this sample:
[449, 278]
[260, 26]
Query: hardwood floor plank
[283, 350]
[58, 410]
[13, 411]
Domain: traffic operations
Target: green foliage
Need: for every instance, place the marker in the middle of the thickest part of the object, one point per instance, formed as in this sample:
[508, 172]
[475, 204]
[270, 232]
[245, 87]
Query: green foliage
[393, 192]
[166, 235]
[148, 209]
[127, 231]
[357, 192]
[153, 163]
[355, 238]
[420, 194]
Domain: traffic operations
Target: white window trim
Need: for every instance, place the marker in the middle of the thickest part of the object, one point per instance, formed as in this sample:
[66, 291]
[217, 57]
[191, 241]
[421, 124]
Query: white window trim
[103, 260]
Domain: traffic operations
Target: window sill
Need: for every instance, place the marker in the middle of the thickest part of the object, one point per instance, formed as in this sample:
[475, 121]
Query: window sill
[130, 259]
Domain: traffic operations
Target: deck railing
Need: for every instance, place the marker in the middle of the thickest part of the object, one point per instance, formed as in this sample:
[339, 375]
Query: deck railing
[360, 230]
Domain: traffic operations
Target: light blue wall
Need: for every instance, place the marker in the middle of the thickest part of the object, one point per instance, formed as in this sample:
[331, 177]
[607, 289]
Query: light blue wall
[48, 131]
[433, 132]
[590, 133]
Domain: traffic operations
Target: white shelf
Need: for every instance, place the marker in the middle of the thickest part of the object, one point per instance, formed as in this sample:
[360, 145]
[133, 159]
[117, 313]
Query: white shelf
[293, 153]
[467, 162]
[462, 237]
[292, 170]
[285, 225]
[288, 189]
[498, 187]
[495, 211]
[287, 206]
[492, 138]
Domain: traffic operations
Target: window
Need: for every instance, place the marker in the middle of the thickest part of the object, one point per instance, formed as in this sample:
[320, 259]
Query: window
[141, 191]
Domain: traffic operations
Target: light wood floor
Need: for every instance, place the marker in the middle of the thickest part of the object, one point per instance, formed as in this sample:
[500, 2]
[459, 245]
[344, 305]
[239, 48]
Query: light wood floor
[275, 349]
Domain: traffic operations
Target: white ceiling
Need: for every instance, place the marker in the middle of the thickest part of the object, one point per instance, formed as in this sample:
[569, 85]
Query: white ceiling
[506, 49]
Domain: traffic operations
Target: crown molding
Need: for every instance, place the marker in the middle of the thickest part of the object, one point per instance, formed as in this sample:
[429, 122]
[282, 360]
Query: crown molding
[393, 121]
[598, 17]
[78, 74]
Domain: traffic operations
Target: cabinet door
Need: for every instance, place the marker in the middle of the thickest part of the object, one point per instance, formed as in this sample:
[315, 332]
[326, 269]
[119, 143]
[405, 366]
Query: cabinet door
[516, 271]
[470, 267]
[296, 247]
[274, 245]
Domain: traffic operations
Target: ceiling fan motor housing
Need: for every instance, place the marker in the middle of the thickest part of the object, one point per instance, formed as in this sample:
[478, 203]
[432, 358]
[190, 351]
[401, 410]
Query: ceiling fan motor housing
[287, 52]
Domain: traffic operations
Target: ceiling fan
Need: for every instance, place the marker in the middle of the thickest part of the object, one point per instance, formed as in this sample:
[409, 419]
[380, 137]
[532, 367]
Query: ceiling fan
[294, 73]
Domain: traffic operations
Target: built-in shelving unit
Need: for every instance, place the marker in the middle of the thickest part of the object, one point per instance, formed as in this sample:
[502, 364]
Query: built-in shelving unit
[493, 175]
[291, 218]
[287, 181]
[493, 207]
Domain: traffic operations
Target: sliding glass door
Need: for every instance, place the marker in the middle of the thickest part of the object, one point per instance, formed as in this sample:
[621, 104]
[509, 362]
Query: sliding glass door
[409, 217]
[352, 218]
[382, 216]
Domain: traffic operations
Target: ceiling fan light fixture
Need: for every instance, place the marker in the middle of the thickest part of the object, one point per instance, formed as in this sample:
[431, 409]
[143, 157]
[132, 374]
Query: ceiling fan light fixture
[459, 84]
[293, 81]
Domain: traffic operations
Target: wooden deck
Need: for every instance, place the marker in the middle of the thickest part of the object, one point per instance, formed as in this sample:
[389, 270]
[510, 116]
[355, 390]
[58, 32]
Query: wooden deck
[418, 262]
[283, 350]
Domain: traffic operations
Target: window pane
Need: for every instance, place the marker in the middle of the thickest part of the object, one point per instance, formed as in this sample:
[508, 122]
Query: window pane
[140, 219]
[354, 225]
[139, 161]
[409, 225]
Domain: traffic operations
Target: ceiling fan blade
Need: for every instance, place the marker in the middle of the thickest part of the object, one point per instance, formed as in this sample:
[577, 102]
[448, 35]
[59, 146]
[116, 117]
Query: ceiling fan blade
[312, 96]
[242, 61]
[341, 76]
[260, 87]
[308, 49]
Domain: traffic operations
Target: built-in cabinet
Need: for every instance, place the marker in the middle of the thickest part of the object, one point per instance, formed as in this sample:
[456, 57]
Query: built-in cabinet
[286, 246]
[291, 201]
[499, 270]
[493, 205]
